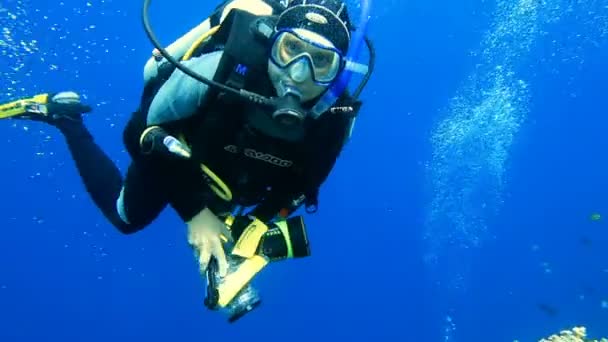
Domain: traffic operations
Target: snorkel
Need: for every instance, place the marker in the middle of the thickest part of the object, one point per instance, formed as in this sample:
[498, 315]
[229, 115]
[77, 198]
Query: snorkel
[351, 65]
[290, 104]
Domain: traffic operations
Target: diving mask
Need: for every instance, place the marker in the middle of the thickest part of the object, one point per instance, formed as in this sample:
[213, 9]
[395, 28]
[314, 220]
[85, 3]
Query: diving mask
[306, 54]
[302, 65]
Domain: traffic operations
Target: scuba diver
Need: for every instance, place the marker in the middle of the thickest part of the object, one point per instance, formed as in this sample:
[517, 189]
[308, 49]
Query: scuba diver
[240, 122]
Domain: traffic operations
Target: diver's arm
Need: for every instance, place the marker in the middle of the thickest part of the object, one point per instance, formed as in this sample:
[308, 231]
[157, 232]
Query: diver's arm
[187, 190]
[325, 145]
[178, 48]
[168, 178]
[181, 96]
[177, 100]
[176, 178]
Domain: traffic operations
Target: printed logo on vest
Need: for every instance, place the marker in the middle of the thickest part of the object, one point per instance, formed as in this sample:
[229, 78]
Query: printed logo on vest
[251, 153]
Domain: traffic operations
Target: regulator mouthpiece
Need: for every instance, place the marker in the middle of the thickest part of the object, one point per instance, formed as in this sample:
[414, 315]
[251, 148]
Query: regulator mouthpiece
[288, 111]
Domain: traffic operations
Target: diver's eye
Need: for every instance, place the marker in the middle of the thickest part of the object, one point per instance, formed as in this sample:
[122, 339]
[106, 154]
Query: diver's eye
[321, 60]
[292, 47]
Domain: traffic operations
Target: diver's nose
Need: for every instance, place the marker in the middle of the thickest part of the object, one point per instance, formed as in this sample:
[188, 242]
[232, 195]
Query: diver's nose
[300, 71]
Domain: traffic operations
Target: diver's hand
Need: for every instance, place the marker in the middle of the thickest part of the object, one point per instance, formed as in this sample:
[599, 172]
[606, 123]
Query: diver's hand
[205, 233]
[66, 104]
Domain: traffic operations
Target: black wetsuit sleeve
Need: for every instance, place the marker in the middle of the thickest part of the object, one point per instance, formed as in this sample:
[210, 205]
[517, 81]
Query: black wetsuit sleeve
[326, 144]
[187, 191]
[180, 181]
[170, 181]
[150, 187]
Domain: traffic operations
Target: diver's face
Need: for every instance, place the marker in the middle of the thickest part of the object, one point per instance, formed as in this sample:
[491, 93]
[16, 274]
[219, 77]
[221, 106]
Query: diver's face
[304, 63]
[291, 80]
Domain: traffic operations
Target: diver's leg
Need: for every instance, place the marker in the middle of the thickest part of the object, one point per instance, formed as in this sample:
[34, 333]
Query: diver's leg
[130, 205]
[141, 199]
[102, 179]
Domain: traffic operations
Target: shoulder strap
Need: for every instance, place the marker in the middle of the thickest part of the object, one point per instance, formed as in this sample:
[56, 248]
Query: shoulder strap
[243, 63]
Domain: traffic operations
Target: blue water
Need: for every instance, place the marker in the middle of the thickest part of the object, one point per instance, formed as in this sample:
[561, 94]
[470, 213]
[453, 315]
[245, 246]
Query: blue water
[461, 205]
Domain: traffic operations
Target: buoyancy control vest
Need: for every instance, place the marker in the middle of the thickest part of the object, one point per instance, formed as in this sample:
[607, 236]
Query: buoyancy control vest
[237, 139]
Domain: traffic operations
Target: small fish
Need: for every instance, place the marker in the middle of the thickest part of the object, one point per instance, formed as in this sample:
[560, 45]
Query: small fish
[548, 309]
[595, 217]
[585, 241]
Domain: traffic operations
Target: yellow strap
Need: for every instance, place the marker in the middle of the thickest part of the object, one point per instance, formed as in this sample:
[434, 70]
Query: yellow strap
[145, 132]
[286, 236]
[12, 109]
[218, 186]
[199, 41]
[19, 107]
[236, 281]
[41, 98]
[248, 242]
[229, 220]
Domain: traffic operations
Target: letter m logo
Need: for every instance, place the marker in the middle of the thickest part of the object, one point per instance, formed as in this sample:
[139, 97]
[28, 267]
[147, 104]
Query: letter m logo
[241, 69]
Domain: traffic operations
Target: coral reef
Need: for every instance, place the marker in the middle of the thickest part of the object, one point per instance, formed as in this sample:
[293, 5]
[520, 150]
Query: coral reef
[577, 334]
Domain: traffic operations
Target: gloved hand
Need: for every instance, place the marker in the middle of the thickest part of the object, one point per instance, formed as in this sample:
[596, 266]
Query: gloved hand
[207, 234]
[60, 106]
[66, 105]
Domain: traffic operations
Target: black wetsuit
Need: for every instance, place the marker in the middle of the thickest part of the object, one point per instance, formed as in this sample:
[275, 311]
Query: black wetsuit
[261, 170]
[153, 182]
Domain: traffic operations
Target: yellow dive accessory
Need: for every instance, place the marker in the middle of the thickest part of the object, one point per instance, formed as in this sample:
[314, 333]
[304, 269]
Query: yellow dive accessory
[200, 41]
[283, 232]
[244, 261]
[249, 240]
[36, 104]
[233, 294]
[216, 184]
[238, 279]
[282, 239]
[257, 244]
